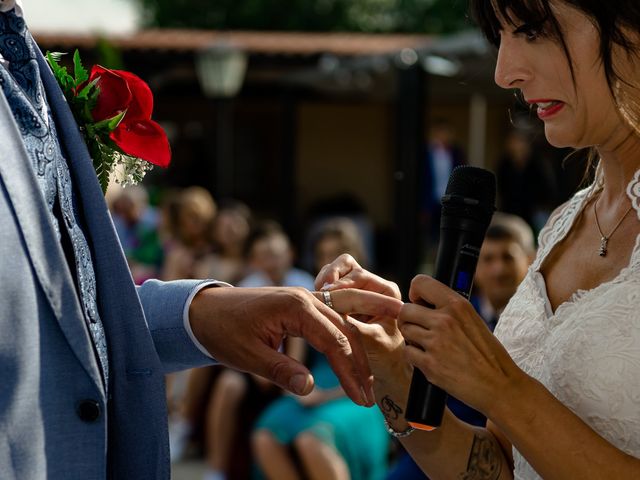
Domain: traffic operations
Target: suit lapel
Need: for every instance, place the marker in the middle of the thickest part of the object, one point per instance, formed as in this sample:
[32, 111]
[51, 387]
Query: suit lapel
[120, 309]
[44, 250]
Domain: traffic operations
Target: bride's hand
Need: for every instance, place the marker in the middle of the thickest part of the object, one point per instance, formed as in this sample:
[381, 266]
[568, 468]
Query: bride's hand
[378, 330]
[346, 280]
[345, 272]
[453, 347]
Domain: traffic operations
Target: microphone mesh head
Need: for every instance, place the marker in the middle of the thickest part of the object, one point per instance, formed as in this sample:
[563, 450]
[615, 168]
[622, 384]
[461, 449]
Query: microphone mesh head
[471, 192]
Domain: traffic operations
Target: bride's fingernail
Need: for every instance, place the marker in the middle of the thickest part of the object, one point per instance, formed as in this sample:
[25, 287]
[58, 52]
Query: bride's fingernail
[326, 286]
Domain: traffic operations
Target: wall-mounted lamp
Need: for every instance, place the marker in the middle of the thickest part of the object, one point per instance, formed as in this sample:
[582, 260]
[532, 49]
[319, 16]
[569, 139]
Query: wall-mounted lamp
[221, 70]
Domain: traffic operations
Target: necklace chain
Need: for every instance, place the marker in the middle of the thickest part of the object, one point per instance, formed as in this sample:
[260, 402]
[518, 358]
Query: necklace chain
[604, 239]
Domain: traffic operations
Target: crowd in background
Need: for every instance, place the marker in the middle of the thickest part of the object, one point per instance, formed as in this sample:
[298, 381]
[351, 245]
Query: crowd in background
[243, 425]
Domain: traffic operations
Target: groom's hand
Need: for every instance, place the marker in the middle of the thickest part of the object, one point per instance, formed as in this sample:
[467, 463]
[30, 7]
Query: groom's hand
[244, 327]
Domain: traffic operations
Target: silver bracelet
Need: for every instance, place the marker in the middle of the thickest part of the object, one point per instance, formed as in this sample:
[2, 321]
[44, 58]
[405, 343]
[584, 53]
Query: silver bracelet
[394, 433]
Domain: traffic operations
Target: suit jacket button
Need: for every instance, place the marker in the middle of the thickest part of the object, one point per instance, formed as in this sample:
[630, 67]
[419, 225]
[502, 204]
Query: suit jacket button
[88, 410]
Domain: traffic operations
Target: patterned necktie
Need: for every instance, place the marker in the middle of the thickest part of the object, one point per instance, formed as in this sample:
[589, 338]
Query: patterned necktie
[23, 89]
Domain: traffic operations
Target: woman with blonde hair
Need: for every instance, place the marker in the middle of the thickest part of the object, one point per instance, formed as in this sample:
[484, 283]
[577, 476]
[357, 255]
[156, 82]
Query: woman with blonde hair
[190, 232]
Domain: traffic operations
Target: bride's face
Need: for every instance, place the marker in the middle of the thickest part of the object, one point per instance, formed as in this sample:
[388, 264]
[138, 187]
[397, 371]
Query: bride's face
[578, 110]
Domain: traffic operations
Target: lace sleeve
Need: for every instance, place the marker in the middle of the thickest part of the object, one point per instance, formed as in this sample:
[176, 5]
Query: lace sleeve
[543, 236]
[559, 223]
[633, 192]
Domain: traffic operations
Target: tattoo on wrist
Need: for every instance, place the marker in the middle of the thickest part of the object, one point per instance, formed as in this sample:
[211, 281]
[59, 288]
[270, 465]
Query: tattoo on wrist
[485, 460]
[390, 409]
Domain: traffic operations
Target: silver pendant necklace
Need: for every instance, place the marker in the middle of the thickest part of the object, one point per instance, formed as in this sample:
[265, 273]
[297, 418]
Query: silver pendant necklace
[604, 239]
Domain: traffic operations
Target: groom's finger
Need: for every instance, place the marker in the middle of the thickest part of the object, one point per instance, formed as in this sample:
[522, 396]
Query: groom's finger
[358, 356]
[332, 335]
[284, 371]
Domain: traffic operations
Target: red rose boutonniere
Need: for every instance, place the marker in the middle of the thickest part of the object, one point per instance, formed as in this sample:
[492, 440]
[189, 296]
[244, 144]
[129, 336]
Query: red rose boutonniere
[113, 110]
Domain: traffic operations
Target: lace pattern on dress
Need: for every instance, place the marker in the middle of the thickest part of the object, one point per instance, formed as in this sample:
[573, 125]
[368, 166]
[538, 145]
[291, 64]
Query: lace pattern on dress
[633, 192]
[588, 352]
[559, 225]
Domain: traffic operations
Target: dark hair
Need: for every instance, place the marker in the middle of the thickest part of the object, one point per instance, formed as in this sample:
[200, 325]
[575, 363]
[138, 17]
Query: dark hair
[608, 16]
[346, 232]
[235, 206]
[263, 230]
[505, 226]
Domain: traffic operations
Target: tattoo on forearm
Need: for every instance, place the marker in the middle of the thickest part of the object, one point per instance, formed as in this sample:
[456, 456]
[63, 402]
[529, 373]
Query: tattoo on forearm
[390, 409]
[485, 460]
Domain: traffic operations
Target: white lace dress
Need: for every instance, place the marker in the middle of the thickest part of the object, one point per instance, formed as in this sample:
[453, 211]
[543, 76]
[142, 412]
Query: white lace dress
[587, 352]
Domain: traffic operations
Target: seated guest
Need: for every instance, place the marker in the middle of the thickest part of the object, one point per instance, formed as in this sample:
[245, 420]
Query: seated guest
[191, 419]
[270, 257]
[195, 210]
[332, 438]
[236, 398]
[506, 253]
[229, 233]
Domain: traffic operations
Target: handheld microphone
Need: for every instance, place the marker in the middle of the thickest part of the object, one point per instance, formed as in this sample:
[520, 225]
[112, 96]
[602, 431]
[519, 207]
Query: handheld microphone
[467, 207]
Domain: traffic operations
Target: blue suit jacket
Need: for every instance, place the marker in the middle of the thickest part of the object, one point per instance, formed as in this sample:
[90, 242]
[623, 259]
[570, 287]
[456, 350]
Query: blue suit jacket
[47, 365]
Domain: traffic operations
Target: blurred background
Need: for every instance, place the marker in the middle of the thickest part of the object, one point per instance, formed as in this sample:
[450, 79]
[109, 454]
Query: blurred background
[293, 121]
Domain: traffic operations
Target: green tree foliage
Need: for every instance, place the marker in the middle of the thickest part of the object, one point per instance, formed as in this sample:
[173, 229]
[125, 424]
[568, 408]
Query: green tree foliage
[424, 16]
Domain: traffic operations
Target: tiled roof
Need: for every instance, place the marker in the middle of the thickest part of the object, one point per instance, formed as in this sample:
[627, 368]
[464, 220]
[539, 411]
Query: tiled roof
[269, 43]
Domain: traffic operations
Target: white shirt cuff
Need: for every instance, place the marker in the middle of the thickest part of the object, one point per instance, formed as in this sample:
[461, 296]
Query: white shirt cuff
[185, 313]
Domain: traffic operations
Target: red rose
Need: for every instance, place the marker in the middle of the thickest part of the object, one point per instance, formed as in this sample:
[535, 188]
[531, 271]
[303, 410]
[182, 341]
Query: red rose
[136, 135]
[114, 97]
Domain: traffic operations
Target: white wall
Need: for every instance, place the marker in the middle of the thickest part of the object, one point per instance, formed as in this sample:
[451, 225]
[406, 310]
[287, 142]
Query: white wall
[81, 16]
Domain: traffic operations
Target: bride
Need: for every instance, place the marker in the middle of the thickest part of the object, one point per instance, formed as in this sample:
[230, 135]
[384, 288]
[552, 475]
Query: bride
[560, 381]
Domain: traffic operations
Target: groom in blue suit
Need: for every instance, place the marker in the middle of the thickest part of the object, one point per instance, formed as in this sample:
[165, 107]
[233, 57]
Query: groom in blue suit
[83, 353]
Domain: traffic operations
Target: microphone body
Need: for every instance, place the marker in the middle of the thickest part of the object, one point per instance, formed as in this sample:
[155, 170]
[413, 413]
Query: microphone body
[467, 209]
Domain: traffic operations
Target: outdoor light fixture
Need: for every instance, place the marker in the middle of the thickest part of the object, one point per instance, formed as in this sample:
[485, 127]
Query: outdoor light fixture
[441, 66]
[221, 69]
[407, 58]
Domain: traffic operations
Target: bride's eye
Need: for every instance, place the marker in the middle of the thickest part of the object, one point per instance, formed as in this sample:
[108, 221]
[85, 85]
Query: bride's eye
[530, 31]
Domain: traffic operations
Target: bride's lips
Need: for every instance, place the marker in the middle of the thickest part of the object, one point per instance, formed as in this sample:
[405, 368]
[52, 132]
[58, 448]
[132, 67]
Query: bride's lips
[547, 107]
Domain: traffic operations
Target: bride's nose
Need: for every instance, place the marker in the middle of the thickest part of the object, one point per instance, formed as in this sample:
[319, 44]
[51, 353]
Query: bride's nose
[512, 67]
